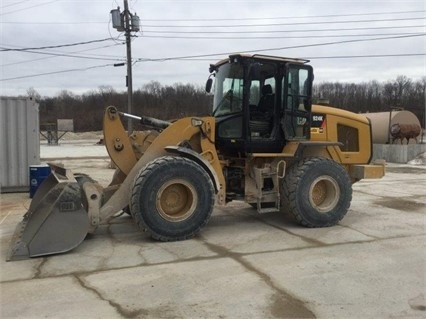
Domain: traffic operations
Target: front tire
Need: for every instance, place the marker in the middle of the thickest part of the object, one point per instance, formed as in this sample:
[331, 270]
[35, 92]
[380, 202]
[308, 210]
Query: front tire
[172, 198]
[317, 191]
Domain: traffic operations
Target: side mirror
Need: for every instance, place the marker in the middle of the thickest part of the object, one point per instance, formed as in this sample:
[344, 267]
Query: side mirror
[209, 84]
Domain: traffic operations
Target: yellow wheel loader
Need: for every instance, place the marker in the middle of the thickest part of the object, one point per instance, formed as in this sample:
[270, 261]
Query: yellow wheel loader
[264, 143]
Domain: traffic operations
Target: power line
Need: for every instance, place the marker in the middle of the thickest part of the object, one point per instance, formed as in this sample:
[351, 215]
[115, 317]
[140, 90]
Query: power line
[278, 24]
[14, 4]
[285, 17]
[222, 19]
[44, 22]
[57, 46]
[56, 72]
[51, 57]
[318, 57]
[364, 56]
[281, 48]
[194, 59]
[36, 5]
[288, 31]
[273, 37]
[71, 55]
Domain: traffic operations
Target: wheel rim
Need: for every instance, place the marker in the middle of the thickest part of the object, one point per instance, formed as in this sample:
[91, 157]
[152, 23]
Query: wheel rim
[176, 200]
[324, 193]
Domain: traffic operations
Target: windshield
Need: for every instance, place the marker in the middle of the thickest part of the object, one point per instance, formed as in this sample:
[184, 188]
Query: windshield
[228, 95]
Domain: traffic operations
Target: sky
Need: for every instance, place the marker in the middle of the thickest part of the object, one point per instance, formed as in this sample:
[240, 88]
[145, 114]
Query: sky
[345, 41]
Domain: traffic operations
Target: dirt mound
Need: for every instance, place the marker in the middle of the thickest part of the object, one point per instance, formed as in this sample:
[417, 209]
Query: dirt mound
[419, 160]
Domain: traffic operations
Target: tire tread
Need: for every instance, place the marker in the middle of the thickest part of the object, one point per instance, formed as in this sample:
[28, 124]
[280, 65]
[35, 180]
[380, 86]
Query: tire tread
[290, 189]
[163, 162]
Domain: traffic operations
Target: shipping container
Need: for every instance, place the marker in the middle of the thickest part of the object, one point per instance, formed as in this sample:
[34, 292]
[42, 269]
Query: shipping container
[20, 142]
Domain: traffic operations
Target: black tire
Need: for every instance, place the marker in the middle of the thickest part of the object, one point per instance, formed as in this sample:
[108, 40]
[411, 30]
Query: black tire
[317, 191]
[172, 198]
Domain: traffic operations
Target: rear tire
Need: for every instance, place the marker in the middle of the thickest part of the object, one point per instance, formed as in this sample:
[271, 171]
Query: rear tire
[172, 198]
[318, 192]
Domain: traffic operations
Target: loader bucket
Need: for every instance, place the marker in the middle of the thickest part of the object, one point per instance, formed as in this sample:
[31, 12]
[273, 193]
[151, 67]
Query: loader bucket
[56, 220]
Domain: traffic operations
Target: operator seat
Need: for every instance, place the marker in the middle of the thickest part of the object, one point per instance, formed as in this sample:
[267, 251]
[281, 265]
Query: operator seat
[261, 120]
[266, 102]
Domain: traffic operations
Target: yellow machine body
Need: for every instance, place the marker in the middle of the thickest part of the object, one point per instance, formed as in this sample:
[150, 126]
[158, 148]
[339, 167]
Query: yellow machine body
[302, 160]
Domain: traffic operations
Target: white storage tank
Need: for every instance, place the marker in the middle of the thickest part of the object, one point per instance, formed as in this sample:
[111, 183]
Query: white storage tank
[381, 123]
[20, 142]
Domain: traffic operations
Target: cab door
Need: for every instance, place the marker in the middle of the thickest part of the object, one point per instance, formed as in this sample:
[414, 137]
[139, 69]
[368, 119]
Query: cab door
[297, 101]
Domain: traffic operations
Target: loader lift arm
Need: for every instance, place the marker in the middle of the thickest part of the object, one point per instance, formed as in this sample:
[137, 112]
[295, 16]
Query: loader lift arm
[89, 205]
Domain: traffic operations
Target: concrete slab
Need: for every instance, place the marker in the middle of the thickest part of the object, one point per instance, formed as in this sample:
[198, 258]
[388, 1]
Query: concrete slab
[12, 207]
[62, 297]
[371, 265]
[121, 246]
[240, 229]
[197, 289]
[379, 279]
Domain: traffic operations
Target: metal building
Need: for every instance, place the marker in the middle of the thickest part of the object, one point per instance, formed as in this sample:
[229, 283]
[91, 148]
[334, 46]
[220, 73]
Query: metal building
[20, 142]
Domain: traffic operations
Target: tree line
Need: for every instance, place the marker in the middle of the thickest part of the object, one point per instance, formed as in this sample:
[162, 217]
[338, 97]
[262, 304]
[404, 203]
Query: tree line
[401, 93]
[164, 102]
[179, 100]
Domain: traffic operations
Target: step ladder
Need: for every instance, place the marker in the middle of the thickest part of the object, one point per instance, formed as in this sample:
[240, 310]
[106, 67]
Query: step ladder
[271, 195]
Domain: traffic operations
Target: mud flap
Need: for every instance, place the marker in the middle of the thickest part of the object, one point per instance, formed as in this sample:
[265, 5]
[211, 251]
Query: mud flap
[56, 220]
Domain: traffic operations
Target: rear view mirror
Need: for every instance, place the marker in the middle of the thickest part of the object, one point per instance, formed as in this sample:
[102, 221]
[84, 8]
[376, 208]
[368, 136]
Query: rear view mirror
[209, 84]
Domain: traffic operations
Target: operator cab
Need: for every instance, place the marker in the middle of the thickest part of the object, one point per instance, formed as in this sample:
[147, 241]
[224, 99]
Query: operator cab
[260, 102]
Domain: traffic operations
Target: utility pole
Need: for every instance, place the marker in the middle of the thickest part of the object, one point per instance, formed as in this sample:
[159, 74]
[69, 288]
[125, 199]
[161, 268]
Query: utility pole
[127, 22]
[129, 66]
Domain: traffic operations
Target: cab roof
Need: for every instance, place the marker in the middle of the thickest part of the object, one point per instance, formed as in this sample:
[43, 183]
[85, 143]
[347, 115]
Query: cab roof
[261, 57]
